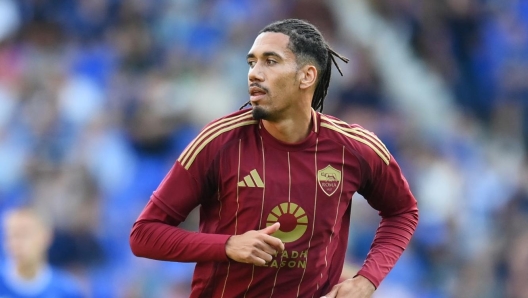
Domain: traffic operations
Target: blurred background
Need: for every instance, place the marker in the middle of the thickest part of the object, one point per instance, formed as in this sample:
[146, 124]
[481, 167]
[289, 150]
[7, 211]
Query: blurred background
[99, 97]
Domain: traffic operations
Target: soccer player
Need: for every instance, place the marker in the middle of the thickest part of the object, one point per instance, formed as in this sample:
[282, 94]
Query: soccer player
[274, 184]
[26, 272]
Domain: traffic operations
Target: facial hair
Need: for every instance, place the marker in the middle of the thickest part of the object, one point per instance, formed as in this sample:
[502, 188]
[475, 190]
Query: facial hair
[259, 113]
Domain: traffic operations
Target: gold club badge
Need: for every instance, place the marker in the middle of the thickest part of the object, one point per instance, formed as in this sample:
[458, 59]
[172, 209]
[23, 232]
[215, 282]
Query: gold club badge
[329, 180]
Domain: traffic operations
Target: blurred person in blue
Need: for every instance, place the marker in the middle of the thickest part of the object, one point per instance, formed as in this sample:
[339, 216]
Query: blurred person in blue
[25, 272]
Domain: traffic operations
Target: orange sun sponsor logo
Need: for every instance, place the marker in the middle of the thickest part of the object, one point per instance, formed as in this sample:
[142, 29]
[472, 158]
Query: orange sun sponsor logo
[329, 180]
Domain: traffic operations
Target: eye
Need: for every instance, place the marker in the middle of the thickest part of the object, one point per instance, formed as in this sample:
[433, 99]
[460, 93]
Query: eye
[251, 63]
[271, 62]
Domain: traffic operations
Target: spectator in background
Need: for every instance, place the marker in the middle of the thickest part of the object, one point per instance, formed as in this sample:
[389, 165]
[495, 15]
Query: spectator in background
[26, 272]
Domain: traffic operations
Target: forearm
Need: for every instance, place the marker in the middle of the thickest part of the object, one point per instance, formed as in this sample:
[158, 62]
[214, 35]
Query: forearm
[155, 235]
[392, 237]
[160, 241]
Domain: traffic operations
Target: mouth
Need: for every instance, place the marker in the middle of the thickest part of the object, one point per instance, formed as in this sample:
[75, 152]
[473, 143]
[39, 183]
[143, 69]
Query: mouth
[256, 93]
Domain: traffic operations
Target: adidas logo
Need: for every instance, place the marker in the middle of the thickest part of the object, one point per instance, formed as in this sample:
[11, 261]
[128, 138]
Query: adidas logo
[251, 180]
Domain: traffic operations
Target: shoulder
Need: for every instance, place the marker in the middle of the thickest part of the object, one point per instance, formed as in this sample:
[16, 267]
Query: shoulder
[51, 282]
[355, 137]
[216, 134]
[235, 117]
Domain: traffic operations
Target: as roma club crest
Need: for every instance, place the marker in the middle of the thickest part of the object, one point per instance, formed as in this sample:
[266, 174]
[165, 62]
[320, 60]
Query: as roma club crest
[329, 179]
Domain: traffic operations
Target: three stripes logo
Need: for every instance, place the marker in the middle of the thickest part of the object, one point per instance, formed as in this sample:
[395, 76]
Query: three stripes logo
[251, 180]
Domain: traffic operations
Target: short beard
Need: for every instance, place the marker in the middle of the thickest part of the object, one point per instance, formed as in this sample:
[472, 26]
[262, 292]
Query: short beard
[259, 113]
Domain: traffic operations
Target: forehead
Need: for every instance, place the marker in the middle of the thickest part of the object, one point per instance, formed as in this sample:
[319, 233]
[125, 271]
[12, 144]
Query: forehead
[20, 219]
[271, 42]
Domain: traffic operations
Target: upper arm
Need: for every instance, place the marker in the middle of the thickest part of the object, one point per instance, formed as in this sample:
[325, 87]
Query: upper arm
[387, 190]
[180, 192]
[154, 213]
[384, 185]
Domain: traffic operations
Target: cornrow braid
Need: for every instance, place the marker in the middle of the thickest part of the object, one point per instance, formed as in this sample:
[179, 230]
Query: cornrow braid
[309, 46]
[322, 87]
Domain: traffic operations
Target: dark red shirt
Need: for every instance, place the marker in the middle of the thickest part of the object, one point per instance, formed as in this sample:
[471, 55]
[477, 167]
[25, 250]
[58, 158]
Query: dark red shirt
[244, 179]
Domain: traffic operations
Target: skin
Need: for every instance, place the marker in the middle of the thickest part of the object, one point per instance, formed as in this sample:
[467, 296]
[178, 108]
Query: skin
[27, 239]
[287, 102]
[357, 287]
[255, 247]
[281, 93]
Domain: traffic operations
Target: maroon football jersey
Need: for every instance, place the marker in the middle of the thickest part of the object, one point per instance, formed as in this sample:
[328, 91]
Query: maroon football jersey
[245, 179]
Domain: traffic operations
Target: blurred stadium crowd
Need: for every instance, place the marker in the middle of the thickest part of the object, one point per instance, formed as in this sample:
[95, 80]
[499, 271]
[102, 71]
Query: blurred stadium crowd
[99, 97]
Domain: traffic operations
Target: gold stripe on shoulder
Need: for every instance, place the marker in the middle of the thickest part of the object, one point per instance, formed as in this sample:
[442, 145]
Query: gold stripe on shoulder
[315, 124]
[339, 129]
[363, 132]
[187, 164]
[367, 134]
[371, 136]
[208, 131]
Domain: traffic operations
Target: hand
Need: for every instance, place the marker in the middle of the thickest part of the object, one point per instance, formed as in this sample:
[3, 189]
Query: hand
[255, 247]
[357, 287]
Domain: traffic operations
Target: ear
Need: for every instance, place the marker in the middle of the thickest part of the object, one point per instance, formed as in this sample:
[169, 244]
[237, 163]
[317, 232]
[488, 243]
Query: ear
[307, 76]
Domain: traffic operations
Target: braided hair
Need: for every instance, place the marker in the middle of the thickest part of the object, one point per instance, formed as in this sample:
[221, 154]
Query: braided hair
[309, 46]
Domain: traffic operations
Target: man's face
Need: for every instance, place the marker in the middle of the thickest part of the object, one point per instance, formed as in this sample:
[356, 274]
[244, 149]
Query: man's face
[272, 78]
[26, 238]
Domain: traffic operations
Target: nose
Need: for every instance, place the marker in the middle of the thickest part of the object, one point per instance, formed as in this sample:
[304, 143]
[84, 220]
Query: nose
[255, 74]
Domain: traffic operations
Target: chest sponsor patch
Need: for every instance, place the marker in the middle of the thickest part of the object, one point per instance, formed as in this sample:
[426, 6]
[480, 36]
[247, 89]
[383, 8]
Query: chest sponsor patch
[293, 220]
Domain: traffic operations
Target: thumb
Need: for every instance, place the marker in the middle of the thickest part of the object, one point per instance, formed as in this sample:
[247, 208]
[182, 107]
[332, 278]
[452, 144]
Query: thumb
[271, 229]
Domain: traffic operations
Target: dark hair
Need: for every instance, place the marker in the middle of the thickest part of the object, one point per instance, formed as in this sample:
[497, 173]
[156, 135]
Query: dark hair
[309, 46]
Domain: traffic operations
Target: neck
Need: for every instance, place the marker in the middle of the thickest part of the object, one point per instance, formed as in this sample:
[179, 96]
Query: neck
[28, 271]
[292, 129]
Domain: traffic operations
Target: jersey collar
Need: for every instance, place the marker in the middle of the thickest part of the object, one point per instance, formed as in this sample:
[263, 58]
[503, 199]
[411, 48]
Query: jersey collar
[307, 142]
